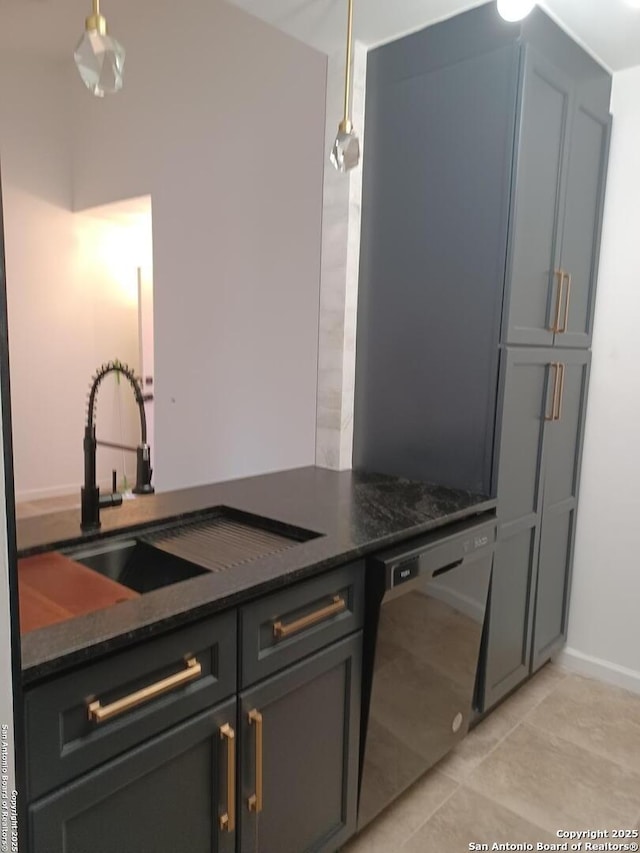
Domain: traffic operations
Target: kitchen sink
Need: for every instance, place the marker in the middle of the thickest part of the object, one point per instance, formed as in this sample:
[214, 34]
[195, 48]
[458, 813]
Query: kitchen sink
[213, 541]
[136, 564]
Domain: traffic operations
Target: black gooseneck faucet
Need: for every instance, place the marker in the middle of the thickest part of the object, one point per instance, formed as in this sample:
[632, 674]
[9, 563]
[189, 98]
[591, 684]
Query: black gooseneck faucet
[91, 500]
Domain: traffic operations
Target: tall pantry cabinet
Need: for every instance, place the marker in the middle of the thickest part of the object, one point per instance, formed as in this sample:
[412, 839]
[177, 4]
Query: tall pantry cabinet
[484, 175]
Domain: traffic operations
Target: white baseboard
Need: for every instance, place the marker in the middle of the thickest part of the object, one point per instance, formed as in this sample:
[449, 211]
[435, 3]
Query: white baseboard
[603, 670]
[27, 495]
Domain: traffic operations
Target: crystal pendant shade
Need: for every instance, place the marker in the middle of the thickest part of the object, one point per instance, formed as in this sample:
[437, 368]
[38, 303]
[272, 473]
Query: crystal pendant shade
[515, 10]
[345, 154]
[100, 61]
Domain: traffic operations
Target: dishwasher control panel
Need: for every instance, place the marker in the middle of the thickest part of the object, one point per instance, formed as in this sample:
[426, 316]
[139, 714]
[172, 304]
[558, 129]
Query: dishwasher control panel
[438, 552]
[405, 572]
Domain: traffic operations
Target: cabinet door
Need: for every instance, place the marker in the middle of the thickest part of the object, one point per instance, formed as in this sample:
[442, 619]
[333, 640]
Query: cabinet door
[164, 796]
[563, 440]
[509, 616]
[582, 224]
[299, 754]
[527, 401]
[534, 254]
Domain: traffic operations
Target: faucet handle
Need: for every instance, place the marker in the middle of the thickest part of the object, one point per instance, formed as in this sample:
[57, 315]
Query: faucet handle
[144, 471]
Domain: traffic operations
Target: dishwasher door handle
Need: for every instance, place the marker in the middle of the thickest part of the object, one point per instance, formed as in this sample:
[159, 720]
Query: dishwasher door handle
[448, 568]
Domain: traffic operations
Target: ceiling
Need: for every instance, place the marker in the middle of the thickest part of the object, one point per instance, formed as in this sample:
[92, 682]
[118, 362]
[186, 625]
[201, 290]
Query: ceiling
[609, 29]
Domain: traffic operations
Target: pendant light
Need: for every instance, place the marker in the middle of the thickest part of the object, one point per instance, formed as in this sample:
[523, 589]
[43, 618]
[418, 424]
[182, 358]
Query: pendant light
[345, 154]
[515, 10]
[99, 57]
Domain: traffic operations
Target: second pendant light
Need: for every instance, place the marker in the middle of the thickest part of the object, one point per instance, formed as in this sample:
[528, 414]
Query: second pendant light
[345, 154]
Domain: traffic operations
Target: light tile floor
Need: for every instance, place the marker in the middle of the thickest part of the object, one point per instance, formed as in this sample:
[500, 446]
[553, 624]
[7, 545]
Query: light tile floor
[562, 753]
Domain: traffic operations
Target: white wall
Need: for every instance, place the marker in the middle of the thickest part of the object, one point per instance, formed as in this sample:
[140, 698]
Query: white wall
[71, 288]
[604, 626]
[221, 121]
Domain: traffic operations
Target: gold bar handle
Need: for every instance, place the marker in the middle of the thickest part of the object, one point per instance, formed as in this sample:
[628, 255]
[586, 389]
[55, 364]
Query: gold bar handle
[228, 819]
[100, 714]
[280, 631]
[560, 275]
[556, 368]
[255, 800]
[565, 319]
[560, 392]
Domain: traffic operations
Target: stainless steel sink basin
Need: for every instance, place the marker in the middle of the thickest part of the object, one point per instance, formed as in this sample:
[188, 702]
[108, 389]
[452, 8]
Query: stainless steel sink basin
[136, 564]
[217, 540]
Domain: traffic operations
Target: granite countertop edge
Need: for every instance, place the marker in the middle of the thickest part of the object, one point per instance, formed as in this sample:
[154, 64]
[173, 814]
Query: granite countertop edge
[355, 514]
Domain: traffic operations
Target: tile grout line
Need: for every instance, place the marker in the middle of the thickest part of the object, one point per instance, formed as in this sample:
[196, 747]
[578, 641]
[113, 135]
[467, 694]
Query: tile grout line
[491, 799]
[492, 750]
[462, 784]
[503, 737]
[531, 684]
[509, 732]
[434, 812]
[526, 816]
[586, 748]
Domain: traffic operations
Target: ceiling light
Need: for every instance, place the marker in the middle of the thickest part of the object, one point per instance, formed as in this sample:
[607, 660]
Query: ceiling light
[345, 154]
[635, 4]
[100, 58]
[515, 10]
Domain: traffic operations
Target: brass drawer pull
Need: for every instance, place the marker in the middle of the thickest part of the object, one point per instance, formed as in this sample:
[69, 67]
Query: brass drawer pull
[100, 714]
[554, 405]
[280, 631]
[560, 392]
[255, 800]
[565, 319]
[560, 275]
[228, 819]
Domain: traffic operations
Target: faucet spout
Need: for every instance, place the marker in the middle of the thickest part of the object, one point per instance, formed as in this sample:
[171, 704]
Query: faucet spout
[91, 500]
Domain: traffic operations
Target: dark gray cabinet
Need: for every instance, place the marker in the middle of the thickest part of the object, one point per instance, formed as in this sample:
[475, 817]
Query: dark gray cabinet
[483, 191]
[542, 157]
[561, 475]
[528, 387]
[483, 188]
[542, 425]
[152, 751]
[64, 741]
[167, 795]
[299, 734]
[582, 224]
[557, 208]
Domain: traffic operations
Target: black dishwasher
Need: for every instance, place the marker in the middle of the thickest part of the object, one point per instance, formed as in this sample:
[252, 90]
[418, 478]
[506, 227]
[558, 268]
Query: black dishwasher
[426, 602]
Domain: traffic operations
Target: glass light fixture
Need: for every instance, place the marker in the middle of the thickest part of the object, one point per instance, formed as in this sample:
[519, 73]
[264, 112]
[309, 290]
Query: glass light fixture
[99, 57]
[515, 10]
[345, 154]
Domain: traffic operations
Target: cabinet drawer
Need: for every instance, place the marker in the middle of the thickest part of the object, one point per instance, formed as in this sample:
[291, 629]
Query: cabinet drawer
[164, 796]
[282, 628]
[93, 714]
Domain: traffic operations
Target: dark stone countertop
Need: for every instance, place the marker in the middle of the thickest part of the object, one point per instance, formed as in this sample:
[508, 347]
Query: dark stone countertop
[355, 513]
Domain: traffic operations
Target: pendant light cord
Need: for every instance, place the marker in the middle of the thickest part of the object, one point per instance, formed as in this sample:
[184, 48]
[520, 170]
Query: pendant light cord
[347, 75]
